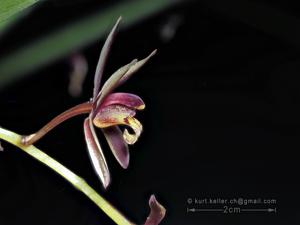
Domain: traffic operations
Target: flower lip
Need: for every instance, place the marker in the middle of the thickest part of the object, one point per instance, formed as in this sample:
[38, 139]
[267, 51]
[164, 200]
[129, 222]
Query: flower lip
[114, 115]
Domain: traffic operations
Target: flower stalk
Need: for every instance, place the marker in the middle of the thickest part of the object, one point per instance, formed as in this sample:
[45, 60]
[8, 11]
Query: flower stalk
[80, 109]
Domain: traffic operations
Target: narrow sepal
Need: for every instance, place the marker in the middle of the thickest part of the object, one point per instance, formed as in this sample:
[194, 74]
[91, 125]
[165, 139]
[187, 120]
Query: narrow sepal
[135, 68]
[111, 83]
[95, 153]
[117, 144]
[157, 212]
[103, 58]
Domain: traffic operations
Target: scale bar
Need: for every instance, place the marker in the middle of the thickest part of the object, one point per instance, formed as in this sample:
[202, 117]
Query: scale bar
[237, 210]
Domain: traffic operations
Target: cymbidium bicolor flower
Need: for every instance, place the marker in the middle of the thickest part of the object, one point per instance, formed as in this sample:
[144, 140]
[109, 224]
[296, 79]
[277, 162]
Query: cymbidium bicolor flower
[107, 111]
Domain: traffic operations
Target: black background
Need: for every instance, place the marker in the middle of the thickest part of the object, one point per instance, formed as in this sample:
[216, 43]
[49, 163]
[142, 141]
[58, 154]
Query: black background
[221, 119]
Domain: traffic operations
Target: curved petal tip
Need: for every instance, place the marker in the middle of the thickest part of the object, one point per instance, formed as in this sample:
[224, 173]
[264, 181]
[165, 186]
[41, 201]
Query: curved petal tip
[157, 212]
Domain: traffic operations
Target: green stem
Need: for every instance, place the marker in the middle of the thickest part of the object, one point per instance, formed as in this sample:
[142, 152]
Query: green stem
[75, 180]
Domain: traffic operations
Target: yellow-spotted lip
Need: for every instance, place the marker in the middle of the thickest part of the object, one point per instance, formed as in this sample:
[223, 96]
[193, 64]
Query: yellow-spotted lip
[114, 115]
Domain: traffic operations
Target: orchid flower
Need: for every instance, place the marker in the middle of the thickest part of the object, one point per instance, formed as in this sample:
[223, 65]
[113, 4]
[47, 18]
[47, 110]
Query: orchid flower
[106, 110]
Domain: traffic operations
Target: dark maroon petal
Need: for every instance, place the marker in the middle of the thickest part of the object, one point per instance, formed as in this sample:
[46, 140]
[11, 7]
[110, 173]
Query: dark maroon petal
[135, 68]
[126, 99]
[95, 153]
[111, 83]
[157, 212]
[114, 137]
[103, 58]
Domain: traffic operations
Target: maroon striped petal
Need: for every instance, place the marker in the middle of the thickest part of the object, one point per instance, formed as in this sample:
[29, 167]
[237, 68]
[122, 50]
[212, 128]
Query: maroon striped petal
[114, 137]
[103, 58]
[126, 99]
[157, 212]
[95, 153]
